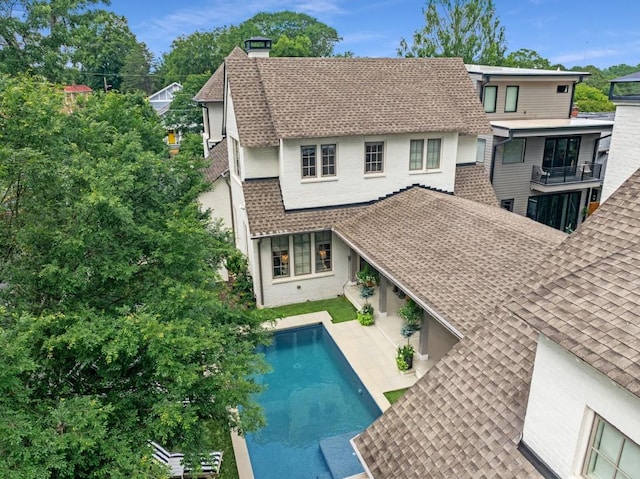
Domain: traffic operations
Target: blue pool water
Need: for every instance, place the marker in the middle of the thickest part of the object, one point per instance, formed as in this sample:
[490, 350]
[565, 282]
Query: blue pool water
[312, 394]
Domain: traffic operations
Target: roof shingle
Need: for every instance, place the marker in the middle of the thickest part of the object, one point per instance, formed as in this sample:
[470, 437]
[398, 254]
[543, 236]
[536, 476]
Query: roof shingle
[219, 161]
[472, 183]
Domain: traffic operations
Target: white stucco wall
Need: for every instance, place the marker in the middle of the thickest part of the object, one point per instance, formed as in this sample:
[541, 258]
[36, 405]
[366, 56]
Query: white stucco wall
[624, 152]
[218, 202]
[214, 125]
[351, 185]
[312, 287]
[565, 393]
[260, 162]
[467, 149]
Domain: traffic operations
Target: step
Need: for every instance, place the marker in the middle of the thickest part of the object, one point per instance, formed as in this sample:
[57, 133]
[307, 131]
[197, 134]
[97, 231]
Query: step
[340, 457]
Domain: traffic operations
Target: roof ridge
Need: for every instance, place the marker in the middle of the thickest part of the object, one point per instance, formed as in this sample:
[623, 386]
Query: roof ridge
[266, 97]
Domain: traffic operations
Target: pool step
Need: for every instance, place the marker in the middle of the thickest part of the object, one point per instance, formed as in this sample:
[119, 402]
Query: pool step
[340, 456]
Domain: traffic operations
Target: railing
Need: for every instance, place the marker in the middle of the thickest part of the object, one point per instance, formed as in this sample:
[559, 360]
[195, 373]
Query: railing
[566, 174]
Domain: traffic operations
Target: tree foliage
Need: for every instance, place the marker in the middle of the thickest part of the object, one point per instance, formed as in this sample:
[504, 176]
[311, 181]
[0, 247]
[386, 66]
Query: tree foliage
[184, 114]
[469, 29]
[136, 71]
[112, 332]
[588, 98]
[525, 58]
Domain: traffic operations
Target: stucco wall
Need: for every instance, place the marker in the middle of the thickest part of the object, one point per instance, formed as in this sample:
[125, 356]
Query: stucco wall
[260, 162]
[351, 185]
[439, 340]
[565, 393]
[312, 287]
[218, 201]
[624, 152]
[467, 149]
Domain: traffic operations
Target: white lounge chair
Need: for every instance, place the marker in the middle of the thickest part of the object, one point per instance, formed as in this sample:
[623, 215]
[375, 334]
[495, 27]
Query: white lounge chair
[209, 468]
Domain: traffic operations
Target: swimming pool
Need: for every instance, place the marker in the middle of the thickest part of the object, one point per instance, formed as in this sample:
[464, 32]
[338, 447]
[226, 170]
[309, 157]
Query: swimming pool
[313, 403]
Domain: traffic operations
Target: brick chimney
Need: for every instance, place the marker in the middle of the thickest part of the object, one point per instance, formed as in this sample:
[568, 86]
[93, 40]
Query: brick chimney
[257, 47]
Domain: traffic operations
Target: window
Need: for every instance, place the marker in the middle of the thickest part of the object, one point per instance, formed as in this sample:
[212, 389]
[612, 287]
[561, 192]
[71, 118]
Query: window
[611, 455]
[507, 204]
[561, 153]
[309, 161]
[513, 151]
[302, 253]
[280, 256]
[433, 153]
[511, 99]
[489, 98]
[416, 153]
[236, 156]
[560, 211]
[374, 157]
[480, 149]
[328, 160]
[563, 89]
[323, 251]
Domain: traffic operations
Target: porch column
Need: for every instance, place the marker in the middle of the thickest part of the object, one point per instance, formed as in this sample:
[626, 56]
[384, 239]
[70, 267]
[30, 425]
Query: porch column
[423, 351]
[353, 266]
[382, 297]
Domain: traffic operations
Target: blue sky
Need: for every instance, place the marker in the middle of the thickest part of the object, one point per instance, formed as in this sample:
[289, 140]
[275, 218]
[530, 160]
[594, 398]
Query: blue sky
[571, 32]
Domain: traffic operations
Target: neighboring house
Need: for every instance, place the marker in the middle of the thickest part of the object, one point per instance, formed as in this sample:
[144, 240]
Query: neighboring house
[542, 162]
[625, 93]
[72, 93]
[545, 386]
[161, 101]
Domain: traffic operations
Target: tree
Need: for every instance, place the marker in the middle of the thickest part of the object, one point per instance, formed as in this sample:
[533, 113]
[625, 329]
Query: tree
[111, 329]
[287, 47]
[184, 114]
[193, 54]
[588, 98]
[469, 29]
[525, 58]
[136, 71]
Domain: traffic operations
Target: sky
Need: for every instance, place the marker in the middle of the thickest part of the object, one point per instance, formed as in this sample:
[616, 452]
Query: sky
[569, 32]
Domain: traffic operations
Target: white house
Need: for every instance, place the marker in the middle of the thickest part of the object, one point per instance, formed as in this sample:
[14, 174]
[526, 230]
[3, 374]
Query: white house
[161, 101]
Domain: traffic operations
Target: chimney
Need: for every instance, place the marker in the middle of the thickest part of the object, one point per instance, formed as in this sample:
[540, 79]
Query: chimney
[257, 47]
[574, 111]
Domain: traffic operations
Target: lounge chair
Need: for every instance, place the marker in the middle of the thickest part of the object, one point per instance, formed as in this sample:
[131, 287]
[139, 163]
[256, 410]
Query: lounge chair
[209, 467]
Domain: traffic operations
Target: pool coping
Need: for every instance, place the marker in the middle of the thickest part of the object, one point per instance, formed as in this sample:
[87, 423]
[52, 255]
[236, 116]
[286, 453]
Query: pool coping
[340, 333]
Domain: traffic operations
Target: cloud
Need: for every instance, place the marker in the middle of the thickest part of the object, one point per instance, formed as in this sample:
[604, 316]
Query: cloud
[584, 55]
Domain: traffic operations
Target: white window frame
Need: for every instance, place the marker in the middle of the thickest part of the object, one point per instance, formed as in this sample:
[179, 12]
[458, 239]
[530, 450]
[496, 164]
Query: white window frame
[597, 452]
[374, 158]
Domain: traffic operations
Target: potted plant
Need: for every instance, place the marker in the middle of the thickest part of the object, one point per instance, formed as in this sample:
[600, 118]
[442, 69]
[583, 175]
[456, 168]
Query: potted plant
[412, 315]
[365, 315]
[404, 358]
[368, 276]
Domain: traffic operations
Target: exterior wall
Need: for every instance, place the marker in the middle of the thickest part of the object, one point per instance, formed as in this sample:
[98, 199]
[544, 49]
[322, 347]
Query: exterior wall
[218, 201]
[624, 153]
[467, 149]
[439, 340]
[513, 180]
[488, 152]
[260, 162]
[311, 287]
[536, 99]
[213, 127]
[351, 185]
[565, 392]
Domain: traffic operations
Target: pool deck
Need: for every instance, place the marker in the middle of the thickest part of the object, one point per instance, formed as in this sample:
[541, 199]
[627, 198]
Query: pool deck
[369, 350]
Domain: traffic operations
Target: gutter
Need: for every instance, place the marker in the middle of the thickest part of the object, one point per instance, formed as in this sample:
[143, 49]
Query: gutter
[360, 458]
[394, 280]
[260, 272]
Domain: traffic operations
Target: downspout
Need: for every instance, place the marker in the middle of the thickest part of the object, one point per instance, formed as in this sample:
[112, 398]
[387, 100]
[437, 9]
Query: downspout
[260, 271]
[573, 94]
[224, 98]
[233, 216]
[493, 155]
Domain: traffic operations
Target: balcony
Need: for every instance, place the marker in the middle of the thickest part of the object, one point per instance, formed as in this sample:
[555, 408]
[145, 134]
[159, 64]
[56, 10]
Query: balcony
[566, 178]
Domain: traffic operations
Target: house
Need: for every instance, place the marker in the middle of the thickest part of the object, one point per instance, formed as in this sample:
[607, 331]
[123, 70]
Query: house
[547, 385]
[72, 93]
[161, 101]
[625, 93]
[542, 162]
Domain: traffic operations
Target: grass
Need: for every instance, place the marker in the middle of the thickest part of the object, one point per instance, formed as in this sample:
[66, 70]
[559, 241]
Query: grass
[222, 442]
[393, 396]
[339, 308]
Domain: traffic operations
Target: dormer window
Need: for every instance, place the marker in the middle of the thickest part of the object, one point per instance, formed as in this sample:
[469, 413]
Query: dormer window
[611, 455]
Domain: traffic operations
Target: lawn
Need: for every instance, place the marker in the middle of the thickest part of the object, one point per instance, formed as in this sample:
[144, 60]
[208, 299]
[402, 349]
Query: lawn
[339, 308]
[222, 442]
[393, 396]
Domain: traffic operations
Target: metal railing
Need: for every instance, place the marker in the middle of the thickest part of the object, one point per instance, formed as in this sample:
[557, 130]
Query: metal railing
[566, 174]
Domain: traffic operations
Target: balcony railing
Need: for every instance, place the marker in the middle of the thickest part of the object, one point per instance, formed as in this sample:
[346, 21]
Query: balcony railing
[566, 174]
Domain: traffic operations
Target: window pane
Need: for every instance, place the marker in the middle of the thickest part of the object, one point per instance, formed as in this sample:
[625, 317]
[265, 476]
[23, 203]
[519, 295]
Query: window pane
[489, 98]
[323, 251]
[513, 151]
[480, 149]
[416, 151]
[328, 160]
[630, 460]
[308, 161]
[600, 468]
[280, 256]
[511, 99]
[433, 153]
[373, 157]
[302, 254]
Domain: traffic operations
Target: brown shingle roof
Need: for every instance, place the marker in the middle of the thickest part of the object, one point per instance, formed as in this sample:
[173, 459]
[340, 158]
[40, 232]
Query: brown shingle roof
[588, 301]
[472, 183]
[213, 90]
[459, 257]
[464, 417]
[219, 162]
[324, 97]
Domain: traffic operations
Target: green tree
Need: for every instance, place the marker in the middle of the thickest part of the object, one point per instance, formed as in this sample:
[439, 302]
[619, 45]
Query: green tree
[192, 54]
[588, 98]
[287, 47]
[111, 329]
[525, 58]
[184, 114]
[469, 29]
[136, 71]
[597, 79]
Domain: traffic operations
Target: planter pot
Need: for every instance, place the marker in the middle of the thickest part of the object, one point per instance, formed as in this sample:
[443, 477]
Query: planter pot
[409, 361]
